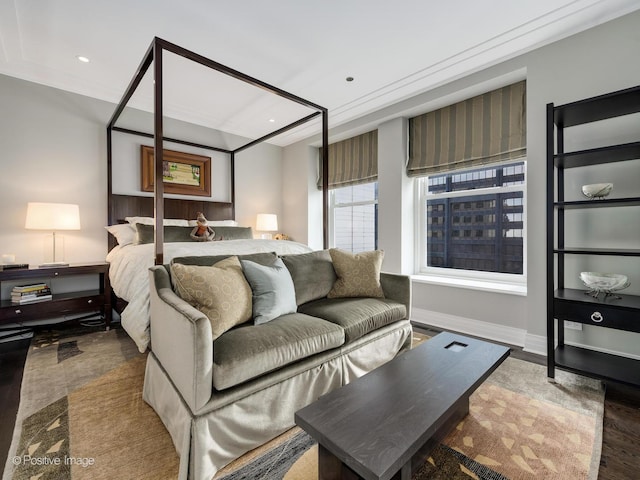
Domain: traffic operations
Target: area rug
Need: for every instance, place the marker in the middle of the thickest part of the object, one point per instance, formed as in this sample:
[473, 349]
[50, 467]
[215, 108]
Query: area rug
[82, 416]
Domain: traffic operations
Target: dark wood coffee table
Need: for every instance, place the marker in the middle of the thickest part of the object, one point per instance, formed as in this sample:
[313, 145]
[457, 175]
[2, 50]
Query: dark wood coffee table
[384, 424]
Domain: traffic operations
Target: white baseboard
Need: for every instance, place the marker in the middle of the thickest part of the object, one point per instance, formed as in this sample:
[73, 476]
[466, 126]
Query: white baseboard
[536, 344]
[519, 337]
[477, 328]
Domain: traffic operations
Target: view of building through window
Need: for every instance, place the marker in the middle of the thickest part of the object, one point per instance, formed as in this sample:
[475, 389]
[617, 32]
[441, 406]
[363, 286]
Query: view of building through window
[354, 211]
[473, 220]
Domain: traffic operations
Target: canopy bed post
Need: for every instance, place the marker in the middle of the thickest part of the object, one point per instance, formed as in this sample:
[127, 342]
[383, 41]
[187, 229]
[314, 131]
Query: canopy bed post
[232, 166]
[158, 153]
[325, 178]
[110, 215]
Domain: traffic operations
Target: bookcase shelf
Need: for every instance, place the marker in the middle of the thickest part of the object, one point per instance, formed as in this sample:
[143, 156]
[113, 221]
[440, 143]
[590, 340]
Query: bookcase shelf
[565, 304]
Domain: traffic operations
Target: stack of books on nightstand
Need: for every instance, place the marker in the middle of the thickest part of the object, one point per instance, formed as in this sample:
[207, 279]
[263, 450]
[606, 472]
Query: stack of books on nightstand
[37, 292]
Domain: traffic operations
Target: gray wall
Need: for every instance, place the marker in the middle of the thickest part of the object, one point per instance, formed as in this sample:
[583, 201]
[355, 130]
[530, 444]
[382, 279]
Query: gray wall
[594, 62]
[54, 150]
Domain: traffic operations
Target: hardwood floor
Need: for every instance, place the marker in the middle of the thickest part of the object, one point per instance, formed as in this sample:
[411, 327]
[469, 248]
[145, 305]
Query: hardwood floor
[621, 437]
[12, 357]
[621, 434]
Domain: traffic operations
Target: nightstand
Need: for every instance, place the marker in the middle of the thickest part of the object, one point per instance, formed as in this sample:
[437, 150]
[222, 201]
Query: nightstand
[69, 303]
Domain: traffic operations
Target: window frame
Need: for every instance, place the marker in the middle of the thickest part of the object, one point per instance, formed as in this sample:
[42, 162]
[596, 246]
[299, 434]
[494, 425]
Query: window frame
[333, 205]
[475, 278]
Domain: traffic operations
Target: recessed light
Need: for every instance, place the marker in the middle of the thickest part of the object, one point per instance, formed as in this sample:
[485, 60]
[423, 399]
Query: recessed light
[349, 79]
[272, 120]
[82, 59]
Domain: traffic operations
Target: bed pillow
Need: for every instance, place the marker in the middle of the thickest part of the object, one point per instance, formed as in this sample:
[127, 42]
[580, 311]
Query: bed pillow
[216, 223]
[358, 274]
[172, 234]
[272, 288]
[123, 233]
[220, 291]
[232, 233]
[178, 222]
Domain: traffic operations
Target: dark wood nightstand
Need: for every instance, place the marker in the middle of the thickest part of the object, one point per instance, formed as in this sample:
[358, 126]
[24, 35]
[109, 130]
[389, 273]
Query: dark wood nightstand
[62, 303]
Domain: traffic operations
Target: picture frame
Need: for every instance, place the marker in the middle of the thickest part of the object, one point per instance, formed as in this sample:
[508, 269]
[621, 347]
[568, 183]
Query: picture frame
[184, 173]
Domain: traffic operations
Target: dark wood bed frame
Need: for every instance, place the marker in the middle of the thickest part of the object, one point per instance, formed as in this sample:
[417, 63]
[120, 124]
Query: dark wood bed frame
[121, 206]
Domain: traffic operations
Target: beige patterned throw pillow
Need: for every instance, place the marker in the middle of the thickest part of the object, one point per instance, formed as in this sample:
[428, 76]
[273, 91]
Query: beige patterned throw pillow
[358, 274]
[221, 292]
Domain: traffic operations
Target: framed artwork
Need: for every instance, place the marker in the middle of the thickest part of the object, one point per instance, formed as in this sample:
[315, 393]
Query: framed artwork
[183, 173]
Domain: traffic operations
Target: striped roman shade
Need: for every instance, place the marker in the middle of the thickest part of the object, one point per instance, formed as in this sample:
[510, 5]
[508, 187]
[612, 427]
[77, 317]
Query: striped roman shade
[481, 130]
[353, 161]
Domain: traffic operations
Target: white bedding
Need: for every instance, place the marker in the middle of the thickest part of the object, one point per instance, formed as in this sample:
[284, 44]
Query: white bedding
[130, 278]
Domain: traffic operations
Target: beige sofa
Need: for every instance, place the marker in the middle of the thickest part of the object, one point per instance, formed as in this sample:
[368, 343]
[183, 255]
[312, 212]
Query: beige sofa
[219, 399]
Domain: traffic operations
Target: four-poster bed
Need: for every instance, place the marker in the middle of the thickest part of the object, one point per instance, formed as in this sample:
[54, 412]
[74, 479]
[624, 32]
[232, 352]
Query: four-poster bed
[117, 204]
[120, 206]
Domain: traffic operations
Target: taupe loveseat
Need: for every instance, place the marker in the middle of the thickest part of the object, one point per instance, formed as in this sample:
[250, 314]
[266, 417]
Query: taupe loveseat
[221, 398]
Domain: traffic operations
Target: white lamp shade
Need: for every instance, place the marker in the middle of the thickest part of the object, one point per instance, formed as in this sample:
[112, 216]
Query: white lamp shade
[52, 216]
[267, 222]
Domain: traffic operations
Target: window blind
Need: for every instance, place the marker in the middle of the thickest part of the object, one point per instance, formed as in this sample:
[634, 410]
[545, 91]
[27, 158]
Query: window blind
[353, 161]
[477, 131]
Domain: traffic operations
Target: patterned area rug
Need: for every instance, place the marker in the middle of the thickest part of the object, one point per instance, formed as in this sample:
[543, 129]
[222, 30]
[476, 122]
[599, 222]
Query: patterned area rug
[82, 416]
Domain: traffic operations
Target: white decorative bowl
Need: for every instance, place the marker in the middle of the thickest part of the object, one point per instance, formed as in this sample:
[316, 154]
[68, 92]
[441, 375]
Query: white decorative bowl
[598, 282]
[597, 190]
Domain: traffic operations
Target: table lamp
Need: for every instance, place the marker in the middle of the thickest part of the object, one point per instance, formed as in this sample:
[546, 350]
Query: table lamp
[267, 222]
[54, 217]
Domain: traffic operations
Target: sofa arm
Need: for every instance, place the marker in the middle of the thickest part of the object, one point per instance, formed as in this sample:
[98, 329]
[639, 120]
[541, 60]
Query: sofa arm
[397, 287]
[181, 340]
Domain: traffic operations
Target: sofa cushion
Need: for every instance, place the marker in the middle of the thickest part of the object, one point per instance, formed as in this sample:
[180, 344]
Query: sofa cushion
[358, 316]
[263, 258]
[250, 351]
[219, 291]
[358, 274]
[272, 287]
[312, 273]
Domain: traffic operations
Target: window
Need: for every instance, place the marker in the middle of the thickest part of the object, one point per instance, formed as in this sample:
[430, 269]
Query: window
[354, 217]
[473, 220]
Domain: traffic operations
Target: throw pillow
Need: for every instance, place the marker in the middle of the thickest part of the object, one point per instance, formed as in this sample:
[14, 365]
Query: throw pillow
[172, 233]
[358, 274]
[273, 291]
[232, 233]
[312, 273]
[220, 291]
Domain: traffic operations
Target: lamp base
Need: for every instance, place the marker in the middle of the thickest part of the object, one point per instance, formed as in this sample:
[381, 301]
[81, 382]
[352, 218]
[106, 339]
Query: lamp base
[53, 264]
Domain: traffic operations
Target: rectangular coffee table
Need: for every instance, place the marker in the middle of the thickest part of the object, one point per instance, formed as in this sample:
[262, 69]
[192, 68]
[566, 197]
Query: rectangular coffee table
[381, 424]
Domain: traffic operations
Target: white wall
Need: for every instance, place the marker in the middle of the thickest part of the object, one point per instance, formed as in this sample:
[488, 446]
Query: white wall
[594, 62]
[301, 198]
[54, 150]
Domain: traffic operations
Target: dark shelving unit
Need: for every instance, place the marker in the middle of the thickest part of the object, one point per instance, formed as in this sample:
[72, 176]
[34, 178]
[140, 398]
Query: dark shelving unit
[566, 304]
[68, 303]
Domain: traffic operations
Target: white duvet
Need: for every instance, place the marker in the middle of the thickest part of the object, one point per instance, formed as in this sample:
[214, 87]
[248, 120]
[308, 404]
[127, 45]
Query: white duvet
[130, 277]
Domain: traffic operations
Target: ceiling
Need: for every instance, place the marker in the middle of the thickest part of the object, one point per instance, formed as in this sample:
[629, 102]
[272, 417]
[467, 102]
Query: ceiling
[392, 49]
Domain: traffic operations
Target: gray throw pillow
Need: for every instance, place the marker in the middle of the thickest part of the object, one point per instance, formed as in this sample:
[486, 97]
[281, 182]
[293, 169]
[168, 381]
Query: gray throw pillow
[232, 233]
[172, 233]
[312, 273]
[272, 288]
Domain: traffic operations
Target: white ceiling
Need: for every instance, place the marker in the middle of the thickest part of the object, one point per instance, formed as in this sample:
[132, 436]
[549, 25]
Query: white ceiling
[393, 48]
